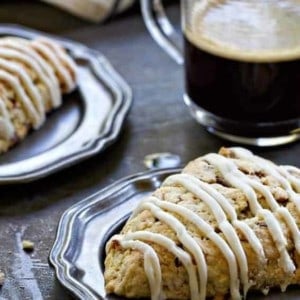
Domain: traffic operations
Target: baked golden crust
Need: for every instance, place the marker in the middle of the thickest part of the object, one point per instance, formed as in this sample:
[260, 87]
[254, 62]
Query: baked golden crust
[124, 266]
[30, 85]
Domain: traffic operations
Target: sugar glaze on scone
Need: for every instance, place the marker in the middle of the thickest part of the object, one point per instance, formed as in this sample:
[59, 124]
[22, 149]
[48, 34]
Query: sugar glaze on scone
[227, 224]
[33, 76]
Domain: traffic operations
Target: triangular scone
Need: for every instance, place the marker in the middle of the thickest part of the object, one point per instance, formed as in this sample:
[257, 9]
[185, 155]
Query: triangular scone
[30, 85]
[229, 223]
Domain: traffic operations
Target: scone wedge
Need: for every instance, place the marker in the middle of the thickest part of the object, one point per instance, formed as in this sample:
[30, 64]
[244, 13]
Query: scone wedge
[33, 76]
[228, 224]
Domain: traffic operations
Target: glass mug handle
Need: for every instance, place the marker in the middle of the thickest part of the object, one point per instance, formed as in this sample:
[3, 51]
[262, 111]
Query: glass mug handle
[161, 29]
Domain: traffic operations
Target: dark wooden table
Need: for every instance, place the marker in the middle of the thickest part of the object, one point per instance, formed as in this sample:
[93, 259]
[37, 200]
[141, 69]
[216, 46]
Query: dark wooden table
[157, 122]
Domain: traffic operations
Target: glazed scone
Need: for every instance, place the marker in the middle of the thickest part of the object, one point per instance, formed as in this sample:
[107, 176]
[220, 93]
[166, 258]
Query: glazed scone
[33, 76]
[229, 223]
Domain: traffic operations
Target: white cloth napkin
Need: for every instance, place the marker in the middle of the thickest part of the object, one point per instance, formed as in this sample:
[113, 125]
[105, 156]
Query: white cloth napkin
[92, 10]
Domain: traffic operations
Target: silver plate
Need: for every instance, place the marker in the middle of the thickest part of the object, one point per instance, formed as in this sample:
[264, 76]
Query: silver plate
[78, 252]
[89, 120]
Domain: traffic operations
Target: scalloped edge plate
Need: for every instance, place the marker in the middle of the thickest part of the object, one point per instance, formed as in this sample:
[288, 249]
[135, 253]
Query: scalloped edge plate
[79, 249]
[106, 99]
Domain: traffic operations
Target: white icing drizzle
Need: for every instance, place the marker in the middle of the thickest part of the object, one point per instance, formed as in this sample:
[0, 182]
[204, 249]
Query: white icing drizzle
[27, 60]
[15, 54]
[239, 180]
[295, 181]
[50, 80]
[290, 221]
[182, 255]
[186, 239]
[269, 167]
[151, 264]
[6, 126]
[208, 231]
[223, 212]
[57, 66]
[193, 185]
[229, 210]
[28, 85]
[63, 57]
[279, 239]
[14, 83]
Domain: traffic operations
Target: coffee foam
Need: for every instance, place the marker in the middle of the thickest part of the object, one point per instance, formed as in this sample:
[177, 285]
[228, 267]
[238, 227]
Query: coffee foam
[252, 31]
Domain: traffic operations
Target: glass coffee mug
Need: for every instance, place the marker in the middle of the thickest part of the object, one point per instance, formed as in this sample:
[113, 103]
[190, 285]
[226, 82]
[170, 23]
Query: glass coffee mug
[242, 65]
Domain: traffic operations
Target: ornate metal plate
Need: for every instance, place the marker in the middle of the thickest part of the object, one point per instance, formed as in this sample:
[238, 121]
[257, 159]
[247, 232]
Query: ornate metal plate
[78, 252]
[89, 120]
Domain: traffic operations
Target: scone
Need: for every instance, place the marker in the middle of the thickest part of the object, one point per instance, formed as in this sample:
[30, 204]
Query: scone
[33, 76]
[229, 223]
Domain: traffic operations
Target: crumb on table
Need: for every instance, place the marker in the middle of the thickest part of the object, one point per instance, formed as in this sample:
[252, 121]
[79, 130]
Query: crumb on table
[2, 278]
[27, 245]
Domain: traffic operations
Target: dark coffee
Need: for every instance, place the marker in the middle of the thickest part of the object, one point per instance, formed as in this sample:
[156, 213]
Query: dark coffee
[242, 64]
[237, 90]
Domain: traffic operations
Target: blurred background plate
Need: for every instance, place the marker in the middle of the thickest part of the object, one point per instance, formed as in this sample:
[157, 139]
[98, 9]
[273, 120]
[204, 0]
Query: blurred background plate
[89, 120]
[79, 250]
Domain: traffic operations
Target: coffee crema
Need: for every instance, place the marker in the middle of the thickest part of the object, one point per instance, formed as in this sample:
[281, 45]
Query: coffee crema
[243, 59]
[250, 31]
